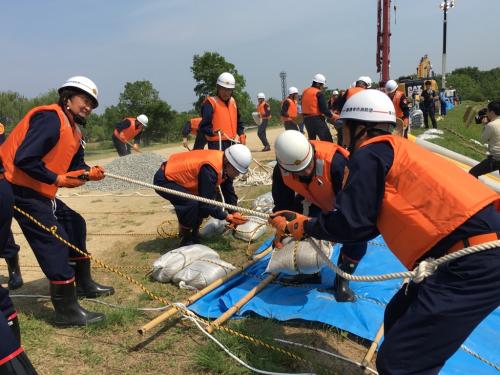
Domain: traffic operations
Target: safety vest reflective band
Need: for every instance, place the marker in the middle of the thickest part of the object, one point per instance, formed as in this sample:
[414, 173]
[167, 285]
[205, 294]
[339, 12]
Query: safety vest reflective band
[224, 118]
[353, 90]
[184, 167]
[57, 160]
[426, 198]
[131, 131]
[319, 191]
[195, 124]
[292, 109]
[310, 102]
[261, 108]
[396, 100]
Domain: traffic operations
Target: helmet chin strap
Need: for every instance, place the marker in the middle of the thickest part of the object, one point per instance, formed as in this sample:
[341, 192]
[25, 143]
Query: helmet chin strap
[74, 118]
[355, 137]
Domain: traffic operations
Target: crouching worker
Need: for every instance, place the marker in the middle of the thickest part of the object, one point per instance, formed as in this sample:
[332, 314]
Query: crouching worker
[130, 129]
[202, 172]
[307, 177]
[425, 207]
[43, 153]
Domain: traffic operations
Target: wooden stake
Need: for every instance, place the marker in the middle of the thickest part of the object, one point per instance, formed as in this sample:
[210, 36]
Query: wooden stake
[172, 311]
[238, 305]
[267, 169]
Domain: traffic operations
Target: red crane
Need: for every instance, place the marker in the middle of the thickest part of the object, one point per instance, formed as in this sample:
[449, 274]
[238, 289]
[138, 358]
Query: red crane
[383, 39]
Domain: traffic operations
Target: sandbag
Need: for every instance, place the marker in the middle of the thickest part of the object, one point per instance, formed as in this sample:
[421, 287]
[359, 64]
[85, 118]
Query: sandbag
[298, 258]
[256, 118]
[166, 266]
[212, 227]
[264, 203]
[202, 273]
[250, 231]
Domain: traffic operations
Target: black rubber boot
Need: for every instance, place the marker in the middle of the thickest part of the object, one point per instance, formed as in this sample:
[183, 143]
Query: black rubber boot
[302, 278]
[15, 278]
[85, 285]
[186, 236]
[19, 365]
[14, 326]
[341, 289]
[68, 311]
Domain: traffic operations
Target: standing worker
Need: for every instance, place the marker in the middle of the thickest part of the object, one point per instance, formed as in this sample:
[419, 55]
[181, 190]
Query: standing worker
[127, 130]
[315, 109]
[491, 136]
[289, 110]
[43, 153]
[428, 105]
[446, 211]
[264, 111]
[400, 104]
[362, 83]
[310, 174]
[10, 251]
[221, 123]
[333, 101]
[202, 173]
[192, 127]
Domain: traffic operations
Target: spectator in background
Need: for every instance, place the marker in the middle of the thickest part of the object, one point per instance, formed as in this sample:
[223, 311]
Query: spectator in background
[428, 105]
[442, 101]
[491, 136]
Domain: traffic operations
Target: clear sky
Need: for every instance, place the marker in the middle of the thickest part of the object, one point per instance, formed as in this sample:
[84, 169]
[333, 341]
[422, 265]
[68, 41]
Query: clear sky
[112, 42]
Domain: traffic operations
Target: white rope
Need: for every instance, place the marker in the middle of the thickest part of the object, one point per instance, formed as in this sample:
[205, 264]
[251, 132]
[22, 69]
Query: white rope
[189, 315]
[474, 354]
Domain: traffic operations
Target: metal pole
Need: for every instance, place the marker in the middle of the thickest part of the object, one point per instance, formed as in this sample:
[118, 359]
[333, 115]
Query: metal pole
[386, 39]
[443, 68]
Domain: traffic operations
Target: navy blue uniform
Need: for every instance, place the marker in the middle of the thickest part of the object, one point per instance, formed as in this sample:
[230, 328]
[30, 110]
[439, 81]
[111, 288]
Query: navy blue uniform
[261, 132]
[428, 107]
[206, 127]
[316, 125]
[200, 140]
[52, 255]
[124, 149]
[191, 213]
[430, 320]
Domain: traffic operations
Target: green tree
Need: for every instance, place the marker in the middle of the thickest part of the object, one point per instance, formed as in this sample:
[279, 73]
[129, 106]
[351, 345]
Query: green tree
[206, 68]
[275, 105]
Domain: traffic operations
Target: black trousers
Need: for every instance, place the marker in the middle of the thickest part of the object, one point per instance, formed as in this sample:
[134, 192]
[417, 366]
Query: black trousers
[214, 145]
[486, 166]
[200, 142]
[290, 125]
[123, 149]
[316, 127]
[261, 132]
[429, 112]
[426, 323]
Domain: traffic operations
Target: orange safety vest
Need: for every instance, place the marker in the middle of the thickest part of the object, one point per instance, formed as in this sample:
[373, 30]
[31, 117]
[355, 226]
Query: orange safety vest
[426, 198]
[310, 102]
[261, 108]
[224, 119]
[184, 167]
[130, 132]
[195, 124]
[58, 159]
[396, 99]
[320, 190]
[353, 90]
[292, 109]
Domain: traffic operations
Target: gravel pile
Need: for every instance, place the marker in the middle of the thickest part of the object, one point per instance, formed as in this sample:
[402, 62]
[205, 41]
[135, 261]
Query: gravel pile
[140, 167]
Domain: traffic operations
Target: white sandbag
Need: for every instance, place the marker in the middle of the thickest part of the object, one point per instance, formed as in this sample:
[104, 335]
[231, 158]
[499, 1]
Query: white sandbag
[264, 203]
[212, 227]
[293, 258]
[251, 230]
[202, 273]
[166, 266]
[256, 118]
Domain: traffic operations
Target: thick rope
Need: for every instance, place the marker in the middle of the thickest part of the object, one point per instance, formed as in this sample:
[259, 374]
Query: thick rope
[189, 196]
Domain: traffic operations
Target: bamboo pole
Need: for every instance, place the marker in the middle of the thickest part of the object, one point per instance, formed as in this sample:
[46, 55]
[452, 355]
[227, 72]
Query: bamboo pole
[266, 169]
[172, 311]
[238, 305]
[131, 145]
[371, 351]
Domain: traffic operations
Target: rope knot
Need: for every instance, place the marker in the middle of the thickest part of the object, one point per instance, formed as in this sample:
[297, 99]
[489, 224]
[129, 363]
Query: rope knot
[425, 268]
[53, 229]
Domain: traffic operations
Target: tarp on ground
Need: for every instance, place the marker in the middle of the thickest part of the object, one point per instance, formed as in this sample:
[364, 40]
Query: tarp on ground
[362, 318]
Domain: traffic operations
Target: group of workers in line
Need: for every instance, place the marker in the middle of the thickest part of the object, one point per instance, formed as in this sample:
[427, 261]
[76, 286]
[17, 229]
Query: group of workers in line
[378, 183]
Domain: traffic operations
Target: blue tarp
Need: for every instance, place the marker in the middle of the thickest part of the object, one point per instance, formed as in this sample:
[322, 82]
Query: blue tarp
[362, 318]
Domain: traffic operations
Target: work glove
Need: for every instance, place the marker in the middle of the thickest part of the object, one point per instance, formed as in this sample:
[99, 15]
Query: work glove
[243, 139]
[96, 173]
[235, 219]
[287, 223]
[72, 179]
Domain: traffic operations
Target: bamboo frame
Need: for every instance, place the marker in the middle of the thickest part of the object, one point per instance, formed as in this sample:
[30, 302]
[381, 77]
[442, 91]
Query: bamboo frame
[172, 311]
[371, 351]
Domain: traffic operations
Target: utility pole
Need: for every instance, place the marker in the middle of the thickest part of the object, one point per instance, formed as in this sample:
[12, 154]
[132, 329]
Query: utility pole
[383, 39]
[283, 85]
[445, 5]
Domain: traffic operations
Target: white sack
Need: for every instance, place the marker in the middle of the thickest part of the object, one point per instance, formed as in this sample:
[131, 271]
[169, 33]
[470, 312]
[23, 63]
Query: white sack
[250, 231]
[202, 273]
[264, 203]
[212, 227]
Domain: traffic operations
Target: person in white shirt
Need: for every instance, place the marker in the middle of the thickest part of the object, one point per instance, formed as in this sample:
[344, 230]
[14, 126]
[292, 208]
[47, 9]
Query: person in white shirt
[491, 136]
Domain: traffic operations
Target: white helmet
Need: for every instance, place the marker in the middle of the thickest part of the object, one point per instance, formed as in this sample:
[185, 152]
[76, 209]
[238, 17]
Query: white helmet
[239, 156]
[226, 80]
[261, 95]
[366, 80]
[369, 106]
[293, 90]
[391, 86]
[143, 119]
[335, 92]
[293, 151]
[319, 78]
[83, 84]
